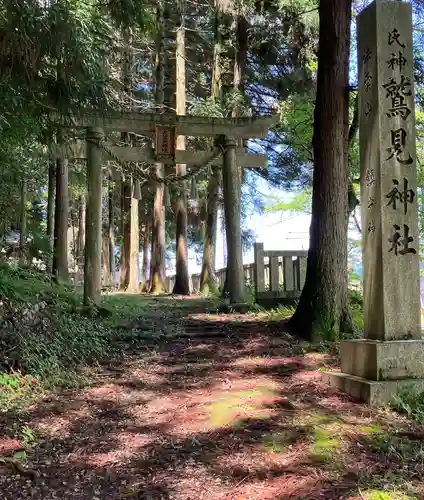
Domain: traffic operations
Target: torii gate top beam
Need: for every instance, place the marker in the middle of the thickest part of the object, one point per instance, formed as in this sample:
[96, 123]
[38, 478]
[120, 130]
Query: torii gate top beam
[78, 150]
[144, 123]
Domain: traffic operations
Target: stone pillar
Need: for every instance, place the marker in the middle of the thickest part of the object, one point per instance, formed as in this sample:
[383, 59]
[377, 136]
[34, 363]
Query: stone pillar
[232, 201]
[391, 353]
[93, 220]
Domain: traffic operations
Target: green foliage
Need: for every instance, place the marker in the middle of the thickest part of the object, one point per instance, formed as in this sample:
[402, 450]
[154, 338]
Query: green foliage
[404, 454]
[356, 308]
[411, 402]
[130, 13]
[384, 495]
[300, 202]
[280, 313]
[324, 444]
[27, 285]
[325, 328]
[60, 51]
[279, 442]
[250, 294]
[74, 341]
[40, 331]
[371, 429]
[420, 164]
[29, 436]
[16, 389]
[297, 114]
[125, 306]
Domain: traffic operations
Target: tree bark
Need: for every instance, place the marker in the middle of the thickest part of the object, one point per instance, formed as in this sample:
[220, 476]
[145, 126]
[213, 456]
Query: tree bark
[124, 261]
[105, 259]
[157, 273]
[353, 201]
[157, 277]
[182, 283]
[241, 53]
[129, 264]
[217, 48]
[60, 253]
[321, 308]
[145, 263]
[50, 214]
[23, 222]
[134, 250]
[93, 231]
[238, 85]
[81, 232]
[232, 199]
[208, 282]
[111, 233]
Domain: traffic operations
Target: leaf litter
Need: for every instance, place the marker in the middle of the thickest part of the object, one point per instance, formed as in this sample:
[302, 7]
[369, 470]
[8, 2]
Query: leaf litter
[229, 411]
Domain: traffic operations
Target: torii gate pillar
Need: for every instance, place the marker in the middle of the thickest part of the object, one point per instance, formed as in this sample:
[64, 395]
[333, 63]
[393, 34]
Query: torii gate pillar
[232, 208]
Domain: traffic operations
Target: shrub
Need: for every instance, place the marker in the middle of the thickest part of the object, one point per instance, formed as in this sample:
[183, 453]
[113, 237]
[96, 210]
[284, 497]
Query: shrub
[40, 331]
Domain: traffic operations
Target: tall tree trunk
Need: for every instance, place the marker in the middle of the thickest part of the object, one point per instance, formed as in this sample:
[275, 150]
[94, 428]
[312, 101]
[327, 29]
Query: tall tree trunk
[60, 253]
[217, 47]
[145, 263]
[232, 202]
[124, 261]
[129, 265]
[50, 213]
[93, 220]
[80, 246]
[105, 259]
[111, 233]
[157, 274]
[23, 222]
[238, 85]
[242, 26]
[73, 221]
[134, 250]
[353, 201]
[182, 284]
[321, 307]
[208, 280]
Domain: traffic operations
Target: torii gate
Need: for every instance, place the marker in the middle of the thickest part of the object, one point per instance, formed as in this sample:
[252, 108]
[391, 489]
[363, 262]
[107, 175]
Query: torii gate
[164, 128]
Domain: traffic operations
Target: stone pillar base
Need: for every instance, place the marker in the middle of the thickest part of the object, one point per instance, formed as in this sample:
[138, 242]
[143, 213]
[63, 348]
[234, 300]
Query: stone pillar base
[373, 392]
[373, 371]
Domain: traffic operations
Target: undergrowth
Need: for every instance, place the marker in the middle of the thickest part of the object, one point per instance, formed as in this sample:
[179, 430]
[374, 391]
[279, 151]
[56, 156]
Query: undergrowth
[411, 402]
[45, 339]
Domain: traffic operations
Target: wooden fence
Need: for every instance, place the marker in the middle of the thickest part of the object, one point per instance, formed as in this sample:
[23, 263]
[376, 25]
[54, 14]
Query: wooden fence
[279, 274]
[276, 274]
[249, 272]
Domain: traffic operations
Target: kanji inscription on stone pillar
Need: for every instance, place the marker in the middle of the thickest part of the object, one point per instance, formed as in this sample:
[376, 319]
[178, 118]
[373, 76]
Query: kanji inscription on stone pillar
[388, 172]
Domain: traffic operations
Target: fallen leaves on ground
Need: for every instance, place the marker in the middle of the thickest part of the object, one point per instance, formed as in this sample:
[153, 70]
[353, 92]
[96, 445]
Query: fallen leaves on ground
[239, 415]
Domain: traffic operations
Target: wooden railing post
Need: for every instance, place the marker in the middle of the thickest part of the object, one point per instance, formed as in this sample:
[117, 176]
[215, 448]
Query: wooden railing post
[300, 272]
[280, 271]
[274, 285]
[259, 268]
[303, 261]
[292, 271]
[288, 274]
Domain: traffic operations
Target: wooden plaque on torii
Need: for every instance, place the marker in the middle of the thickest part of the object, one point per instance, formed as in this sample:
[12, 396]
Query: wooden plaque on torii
[164, 143]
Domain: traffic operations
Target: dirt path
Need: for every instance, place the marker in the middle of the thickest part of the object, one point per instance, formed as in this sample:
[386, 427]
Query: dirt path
[210, 418]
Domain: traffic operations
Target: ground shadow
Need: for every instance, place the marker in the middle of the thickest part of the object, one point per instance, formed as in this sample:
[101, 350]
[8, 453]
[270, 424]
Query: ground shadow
[237, 410]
